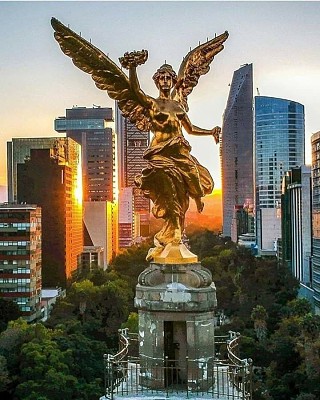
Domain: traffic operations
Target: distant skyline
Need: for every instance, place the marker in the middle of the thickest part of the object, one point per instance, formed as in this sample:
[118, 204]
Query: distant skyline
[38, 82]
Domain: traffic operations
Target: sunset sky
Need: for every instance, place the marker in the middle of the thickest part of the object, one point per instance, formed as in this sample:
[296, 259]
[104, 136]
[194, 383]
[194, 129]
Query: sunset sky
[38, 82]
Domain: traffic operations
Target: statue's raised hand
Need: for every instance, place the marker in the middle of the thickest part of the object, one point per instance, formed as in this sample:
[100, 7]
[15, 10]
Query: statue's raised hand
[216, 132]
[133, 59]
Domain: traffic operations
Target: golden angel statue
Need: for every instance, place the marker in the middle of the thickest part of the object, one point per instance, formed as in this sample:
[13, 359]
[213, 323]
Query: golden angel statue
[172, 174]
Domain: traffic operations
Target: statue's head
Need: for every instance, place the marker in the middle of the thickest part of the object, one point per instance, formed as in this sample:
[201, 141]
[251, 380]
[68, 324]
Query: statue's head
[165, 73]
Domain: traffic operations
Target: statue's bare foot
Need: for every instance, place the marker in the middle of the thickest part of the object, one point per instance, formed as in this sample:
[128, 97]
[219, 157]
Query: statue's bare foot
[200, 204]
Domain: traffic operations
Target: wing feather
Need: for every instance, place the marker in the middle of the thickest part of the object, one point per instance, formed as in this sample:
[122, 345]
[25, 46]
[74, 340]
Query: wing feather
[105, 73]
[196, 63]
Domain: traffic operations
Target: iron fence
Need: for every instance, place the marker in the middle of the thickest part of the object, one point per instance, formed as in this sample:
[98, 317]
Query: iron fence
[220, 379]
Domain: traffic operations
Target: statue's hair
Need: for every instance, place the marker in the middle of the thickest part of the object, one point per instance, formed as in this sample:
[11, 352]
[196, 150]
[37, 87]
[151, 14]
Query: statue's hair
[165, 68]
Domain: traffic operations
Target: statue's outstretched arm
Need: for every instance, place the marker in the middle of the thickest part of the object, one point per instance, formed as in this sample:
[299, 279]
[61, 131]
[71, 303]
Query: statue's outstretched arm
[130, 61]
[144, 100]
[195, 130]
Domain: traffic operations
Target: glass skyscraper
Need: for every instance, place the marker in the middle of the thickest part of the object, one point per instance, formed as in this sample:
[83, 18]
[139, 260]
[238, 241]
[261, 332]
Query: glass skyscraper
[279, 147]
[236, 150]
[315, 142]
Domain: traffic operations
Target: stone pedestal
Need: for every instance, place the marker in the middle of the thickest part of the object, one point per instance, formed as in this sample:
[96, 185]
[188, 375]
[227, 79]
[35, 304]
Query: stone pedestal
[176, 302]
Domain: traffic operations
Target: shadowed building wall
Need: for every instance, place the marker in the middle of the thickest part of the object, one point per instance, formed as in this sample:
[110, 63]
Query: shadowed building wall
[47, 179]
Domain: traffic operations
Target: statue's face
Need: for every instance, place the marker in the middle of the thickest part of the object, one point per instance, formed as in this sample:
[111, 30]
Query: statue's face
[165, 81]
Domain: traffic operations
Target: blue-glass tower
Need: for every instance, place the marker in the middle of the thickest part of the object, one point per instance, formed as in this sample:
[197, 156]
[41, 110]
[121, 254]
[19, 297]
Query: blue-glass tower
[279, 147]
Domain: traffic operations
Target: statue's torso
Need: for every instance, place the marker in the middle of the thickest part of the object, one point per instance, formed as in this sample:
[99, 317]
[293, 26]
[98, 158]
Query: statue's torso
[166, 116]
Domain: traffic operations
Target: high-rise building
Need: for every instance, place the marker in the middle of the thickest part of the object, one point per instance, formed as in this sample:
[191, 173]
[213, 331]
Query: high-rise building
[296, 227]
[132, 143]
[18, 150]
[20, 257]
[51, 178]
[315, 170]
[236, 150]
[93, 128]
[279, 147]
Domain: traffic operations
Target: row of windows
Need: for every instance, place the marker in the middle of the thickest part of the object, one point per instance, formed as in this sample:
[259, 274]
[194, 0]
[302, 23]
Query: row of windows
[19, 289]
[18, 243]
[15, 271]
[15, 280]
[19, 225]
[14, 262]
[22, 300]
[14, 215]
[14, 252]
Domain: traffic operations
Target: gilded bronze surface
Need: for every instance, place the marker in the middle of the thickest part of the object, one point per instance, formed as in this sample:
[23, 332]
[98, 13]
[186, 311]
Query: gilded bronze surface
[173, 175]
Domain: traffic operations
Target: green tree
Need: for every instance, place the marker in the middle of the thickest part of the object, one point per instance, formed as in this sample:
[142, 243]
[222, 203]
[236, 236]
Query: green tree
[9, 311]
[259, 317]
[132, 323]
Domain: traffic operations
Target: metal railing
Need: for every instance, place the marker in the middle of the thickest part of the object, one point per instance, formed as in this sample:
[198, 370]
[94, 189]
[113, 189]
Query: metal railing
[220, 379]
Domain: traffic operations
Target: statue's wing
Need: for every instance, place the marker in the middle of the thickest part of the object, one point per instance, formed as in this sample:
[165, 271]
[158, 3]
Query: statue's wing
[106, 74]
[196, 63]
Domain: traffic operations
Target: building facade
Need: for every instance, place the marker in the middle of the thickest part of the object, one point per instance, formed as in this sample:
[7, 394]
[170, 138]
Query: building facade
[51, 178]
[236, 150]
[20, 257]
[132, 143]
[18, 150]
[92, 258]
[93, 129]
[315, 170]
[279, 144]
[296, 226]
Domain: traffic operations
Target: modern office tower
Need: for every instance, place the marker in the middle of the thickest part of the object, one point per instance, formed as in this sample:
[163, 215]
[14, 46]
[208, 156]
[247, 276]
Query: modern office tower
[296, 227]
[236, 150]
[279, 147]
[132, 143]
[51, 178]
[93, 129]
[315, 170]
[20, 257]
[18, 151]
